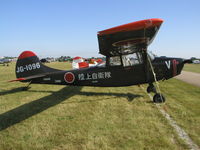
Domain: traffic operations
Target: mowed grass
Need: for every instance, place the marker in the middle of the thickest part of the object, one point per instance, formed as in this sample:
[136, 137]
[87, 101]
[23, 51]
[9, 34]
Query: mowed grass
[183, 104]
[192, 67]
[64, 117]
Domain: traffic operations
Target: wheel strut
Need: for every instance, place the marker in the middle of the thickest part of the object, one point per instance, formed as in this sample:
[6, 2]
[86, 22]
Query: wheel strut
[158, 97]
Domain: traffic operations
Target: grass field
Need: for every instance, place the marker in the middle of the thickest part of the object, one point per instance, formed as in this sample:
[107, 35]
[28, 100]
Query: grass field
[192, 68]
[63, 117]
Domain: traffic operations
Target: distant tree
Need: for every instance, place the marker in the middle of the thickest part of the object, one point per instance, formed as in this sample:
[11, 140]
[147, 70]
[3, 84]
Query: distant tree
[193, 58]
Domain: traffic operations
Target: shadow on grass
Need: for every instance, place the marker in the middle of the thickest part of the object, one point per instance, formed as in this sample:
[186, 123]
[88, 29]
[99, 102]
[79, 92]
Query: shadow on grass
[129, 96]
[14, 90]
[25, 111]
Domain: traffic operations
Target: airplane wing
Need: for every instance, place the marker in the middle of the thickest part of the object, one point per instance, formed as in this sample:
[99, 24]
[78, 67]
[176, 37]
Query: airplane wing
[127, 38]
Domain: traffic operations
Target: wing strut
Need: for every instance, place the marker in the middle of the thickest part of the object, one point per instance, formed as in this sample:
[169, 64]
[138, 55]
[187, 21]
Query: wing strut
[161, 97]
[158, 97]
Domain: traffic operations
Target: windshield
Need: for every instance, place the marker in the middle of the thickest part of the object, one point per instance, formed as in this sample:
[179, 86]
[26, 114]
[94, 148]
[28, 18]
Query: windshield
[115, 61]
[131, 59]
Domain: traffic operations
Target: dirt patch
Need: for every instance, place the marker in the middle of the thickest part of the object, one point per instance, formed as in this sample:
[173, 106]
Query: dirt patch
[190, 77]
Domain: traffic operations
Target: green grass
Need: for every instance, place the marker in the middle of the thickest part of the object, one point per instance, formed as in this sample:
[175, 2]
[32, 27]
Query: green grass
[64, 117]
[183, 104]
[192, 67]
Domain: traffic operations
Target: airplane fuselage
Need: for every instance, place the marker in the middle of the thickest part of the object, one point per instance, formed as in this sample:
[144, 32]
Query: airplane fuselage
[112, 76]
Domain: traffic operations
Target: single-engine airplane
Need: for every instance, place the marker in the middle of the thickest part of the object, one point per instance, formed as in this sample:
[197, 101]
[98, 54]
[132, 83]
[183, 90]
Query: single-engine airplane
[127, 62]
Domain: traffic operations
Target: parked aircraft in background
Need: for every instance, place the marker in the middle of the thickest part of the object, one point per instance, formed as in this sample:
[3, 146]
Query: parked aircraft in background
[79, 62]
[196, 61]
[5, 61]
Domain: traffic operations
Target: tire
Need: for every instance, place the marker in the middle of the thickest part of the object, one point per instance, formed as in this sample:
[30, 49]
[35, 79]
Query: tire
[158, 98]
[150, 89]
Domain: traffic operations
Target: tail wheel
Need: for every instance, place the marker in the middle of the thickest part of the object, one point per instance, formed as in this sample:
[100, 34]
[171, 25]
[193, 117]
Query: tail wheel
[158, 98]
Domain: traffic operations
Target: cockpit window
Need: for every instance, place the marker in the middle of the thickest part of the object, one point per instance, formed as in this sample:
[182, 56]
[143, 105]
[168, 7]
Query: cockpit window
[115, 61]
[131, 59]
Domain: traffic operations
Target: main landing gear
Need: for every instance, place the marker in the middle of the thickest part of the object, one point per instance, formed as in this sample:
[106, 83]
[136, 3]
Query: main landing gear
[158, 97]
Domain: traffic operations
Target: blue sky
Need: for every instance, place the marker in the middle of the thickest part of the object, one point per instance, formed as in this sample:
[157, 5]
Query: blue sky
[63, 27]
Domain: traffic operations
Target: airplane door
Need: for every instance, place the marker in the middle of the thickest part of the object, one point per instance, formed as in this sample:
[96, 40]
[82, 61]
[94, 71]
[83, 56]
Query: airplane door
[133, 67]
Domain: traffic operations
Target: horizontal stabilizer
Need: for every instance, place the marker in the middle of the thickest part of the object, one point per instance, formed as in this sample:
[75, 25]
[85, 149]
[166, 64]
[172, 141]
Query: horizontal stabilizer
[19, 79]
[28, 78]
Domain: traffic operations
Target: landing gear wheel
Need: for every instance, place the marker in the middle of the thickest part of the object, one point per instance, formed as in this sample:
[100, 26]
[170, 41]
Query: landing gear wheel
[151, 88]
[158, 98]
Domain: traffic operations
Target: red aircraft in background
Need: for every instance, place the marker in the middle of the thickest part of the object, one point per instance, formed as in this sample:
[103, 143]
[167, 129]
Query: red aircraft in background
[79, 62]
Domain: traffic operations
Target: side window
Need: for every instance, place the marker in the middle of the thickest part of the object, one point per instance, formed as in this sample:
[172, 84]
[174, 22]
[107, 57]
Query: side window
[132, 59]
[115, 61]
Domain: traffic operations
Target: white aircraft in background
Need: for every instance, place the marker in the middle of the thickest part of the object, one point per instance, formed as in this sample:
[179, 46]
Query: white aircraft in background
[5, 61]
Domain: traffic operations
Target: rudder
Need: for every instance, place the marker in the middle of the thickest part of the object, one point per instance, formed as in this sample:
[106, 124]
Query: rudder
[28, 64]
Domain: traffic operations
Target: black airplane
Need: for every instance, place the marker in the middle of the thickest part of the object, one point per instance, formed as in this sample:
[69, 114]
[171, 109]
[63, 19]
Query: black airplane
[127, 62]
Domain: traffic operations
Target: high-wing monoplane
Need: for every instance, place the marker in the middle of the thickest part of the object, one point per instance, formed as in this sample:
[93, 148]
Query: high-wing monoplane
[127, 62]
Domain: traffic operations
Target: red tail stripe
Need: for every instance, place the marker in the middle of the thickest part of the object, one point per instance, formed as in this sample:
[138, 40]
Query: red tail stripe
[26, 54]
